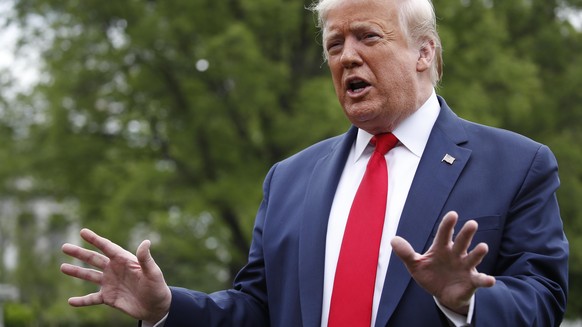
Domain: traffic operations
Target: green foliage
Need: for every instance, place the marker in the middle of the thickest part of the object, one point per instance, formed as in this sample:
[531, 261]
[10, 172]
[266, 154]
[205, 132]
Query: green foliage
[17, 315]
[159, 119]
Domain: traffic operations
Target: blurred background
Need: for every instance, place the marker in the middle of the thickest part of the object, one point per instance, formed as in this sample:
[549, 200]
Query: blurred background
[159, 119]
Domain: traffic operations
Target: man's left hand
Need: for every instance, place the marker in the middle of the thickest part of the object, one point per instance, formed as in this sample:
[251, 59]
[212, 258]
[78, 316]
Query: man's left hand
[447, 270]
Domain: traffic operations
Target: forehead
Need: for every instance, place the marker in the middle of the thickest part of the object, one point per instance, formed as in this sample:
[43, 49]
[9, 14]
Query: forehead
[355, 14]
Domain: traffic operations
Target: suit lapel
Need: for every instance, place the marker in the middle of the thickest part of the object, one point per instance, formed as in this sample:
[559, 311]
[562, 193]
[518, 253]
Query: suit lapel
[432, 184]
[318, 201]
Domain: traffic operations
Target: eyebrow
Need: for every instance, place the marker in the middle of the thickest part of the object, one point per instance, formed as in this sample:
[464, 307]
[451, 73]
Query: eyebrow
[353, 26]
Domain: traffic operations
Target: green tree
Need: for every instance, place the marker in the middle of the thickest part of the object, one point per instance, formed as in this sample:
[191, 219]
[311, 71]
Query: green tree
[160, 120]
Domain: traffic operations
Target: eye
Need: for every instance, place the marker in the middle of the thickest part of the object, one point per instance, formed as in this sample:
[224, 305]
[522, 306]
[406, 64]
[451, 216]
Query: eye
[333, 46]
[371, 36]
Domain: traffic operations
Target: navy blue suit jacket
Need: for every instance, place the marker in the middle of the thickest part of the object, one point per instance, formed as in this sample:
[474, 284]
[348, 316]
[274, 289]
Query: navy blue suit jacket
[502, 180]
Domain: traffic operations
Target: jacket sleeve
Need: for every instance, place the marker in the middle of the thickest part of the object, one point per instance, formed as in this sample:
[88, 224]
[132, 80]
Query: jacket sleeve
[245, 305]
[532, 265]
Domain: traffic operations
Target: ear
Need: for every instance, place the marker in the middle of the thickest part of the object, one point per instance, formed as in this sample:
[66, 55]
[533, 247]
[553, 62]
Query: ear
[426, 55]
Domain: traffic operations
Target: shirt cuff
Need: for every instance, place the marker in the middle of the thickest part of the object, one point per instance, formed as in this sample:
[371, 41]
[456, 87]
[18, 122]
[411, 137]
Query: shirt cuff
[458, 320]
[158, 324]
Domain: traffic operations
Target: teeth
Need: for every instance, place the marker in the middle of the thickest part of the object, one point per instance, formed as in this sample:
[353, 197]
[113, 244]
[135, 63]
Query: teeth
[357, 85]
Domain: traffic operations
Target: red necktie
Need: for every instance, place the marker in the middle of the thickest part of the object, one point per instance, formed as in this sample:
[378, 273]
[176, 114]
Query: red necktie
[355, 276]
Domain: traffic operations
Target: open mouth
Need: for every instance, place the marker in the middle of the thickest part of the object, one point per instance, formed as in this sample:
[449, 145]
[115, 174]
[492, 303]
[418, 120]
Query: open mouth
[357, 85]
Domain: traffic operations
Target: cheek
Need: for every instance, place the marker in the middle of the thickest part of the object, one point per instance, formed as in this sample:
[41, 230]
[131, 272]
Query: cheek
[397, 64]
[336, 79]
[396, 78]
[339, 94]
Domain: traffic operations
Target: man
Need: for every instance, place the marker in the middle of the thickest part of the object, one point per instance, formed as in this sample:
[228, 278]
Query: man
[498, 256]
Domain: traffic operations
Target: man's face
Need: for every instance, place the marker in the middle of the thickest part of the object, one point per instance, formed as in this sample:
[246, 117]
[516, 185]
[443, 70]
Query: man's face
[375, 72]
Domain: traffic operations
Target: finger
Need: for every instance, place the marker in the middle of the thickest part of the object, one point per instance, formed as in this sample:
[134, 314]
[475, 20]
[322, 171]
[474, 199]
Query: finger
[89, 275]
[444, 234]
[404, 250]
[464, 238]
[144, 257]
[483, 280]
[87, 300]
[475, 257]
[93, 258]
[108, 248]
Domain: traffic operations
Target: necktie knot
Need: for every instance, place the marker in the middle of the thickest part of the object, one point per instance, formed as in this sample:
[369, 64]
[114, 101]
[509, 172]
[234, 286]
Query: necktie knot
[384, 142]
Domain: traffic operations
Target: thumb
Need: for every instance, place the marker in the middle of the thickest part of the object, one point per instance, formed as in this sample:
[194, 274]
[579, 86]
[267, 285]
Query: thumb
[144, 257]
[403, 249]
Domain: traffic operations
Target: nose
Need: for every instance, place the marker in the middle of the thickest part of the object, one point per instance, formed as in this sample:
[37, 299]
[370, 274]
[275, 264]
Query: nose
[350, 56]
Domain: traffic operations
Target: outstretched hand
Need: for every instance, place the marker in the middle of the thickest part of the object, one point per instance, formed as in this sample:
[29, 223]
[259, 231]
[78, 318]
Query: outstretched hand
[447, 270]
[132, 284]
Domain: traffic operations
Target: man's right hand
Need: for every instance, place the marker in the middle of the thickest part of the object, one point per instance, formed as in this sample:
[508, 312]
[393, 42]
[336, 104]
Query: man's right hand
[133, 284]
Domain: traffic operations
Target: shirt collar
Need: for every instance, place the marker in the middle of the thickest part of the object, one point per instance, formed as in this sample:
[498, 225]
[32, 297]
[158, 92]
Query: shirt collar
[413, 132]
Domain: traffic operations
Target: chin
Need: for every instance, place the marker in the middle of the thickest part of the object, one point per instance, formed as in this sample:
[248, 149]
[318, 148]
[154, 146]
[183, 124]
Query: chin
[374, 125]
[360, 115]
